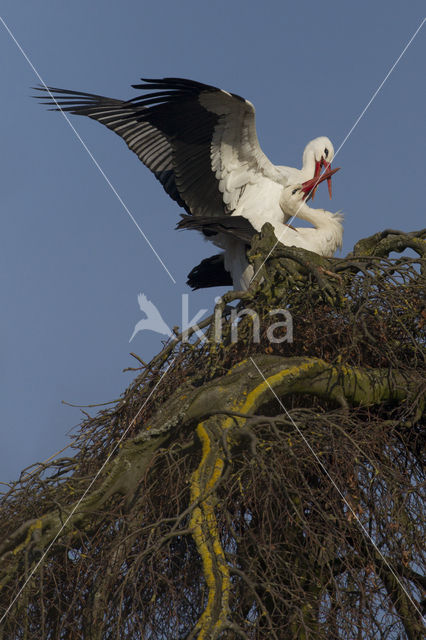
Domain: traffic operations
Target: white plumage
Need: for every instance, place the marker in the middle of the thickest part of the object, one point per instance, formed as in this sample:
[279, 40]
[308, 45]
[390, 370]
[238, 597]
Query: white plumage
[325, 238]
[201, 144]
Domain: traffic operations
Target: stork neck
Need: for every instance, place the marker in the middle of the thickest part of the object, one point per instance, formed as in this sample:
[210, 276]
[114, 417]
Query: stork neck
[308, 169]
[328, 233]
[319, 218]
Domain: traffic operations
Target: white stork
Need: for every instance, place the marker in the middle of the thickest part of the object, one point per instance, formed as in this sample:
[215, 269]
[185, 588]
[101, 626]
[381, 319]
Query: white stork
[201, 144]
[234, 233]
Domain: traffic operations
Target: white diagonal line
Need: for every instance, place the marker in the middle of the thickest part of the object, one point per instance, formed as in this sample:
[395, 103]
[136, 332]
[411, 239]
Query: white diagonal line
[114, 449]
[95, 162]
[381, 85]
[361, 115]
[321, 464]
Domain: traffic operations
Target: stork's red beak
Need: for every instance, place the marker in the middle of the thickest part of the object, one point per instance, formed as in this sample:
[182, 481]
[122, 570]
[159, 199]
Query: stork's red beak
[319, 164]
[310, 186]
[327, 166]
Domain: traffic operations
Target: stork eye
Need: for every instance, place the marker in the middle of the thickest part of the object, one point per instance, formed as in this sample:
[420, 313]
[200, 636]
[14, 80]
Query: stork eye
[294, 191]
[326, 152]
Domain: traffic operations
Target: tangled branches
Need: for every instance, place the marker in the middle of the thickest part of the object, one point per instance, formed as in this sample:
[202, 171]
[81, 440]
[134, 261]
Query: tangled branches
[241, 488]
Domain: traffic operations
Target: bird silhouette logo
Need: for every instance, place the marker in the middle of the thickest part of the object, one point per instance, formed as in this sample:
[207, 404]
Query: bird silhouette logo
[153, 320]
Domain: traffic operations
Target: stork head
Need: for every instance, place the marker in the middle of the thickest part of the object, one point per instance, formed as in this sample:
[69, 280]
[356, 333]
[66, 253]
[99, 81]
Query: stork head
[292, 199]
[321, 152]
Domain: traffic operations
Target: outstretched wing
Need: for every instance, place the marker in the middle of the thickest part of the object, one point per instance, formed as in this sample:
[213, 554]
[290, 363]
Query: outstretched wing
[199, 141]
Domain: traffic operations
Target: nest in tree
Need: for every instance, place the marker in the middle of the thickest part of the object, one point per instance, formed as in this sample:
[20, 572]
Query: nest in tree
[263, 482]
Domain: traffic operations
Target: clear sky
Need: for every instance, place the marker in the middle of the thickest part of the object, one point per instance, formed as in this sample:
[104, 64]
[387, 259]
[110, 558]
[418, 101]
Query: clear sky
[72, 262]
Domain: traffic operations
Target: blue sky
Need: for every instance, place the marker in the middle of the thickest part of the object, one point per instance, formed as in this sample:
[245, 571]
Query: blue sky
[72, 262]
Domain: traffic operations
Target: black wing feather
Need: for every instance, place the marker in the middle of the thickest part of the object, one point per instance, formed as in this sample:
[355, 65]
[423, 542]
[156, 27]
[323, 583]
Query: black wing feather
[168, 129]
[210, 272]
[237, 227]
